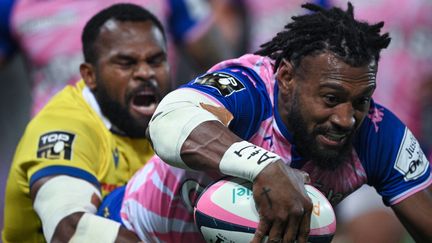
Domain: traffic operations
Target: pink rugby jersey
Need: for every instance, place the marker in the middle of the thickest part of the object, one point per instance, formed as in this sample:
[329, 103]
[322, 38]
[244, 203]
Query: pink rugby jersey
[159, 199]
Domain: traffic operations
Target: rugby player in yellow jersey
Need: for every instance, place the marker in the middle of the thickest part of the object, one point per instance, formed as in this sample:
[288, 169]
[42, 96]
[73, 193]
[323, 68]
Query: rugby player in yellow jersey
[89, 138]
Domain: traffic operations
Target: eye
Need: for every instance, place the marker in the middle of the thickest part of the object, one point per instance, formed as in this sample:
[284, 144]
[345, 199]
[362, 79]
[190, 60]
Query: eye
[331, 100]
[363, 103]
[125, 63]
[157, 59]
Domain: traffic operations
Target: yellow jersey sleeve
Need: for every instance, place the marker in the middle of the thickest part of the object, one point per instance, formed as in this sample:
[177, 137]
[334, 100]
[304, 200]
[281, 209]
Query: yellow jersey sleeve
[58, 142]
[67, 137]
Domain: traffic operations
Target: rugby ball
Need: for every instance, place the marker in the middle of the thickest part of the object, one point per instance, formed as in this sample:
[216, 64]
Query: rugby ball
[225, 212]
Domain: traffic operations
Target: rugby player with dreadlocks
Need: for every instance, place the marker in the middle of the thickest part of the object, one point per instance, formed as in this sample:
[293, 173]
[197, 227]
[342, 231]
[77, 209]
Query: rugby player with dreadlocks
[301, 111]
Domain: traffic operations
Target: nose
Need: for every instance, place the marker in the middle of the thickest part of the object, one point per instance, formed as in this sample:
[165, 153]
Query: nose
[143, 71]
[343, 116]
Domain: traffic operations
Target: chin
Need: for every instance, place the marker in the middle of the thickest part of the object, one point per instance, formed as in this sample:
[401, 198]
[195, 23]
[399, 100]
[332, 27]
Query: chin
[140, 118]
[143, 122]
[330, 159]
[330, 151]
[134, 126]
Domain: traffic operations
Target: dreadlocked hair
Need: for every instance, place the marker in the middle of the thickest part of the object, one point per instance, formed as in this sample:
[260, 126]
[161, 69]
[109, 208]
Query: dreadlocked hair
[356, 43]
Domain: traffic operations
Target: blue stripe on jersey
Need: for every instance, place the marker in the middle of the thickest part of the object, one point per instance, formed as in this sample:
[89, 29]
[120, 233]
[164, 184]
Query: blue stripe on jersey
[111, 205]
[7, 44]
[64, 170]
[297, 161]
[249, 106]
[278, 118]
[184, 16]
[378, 151]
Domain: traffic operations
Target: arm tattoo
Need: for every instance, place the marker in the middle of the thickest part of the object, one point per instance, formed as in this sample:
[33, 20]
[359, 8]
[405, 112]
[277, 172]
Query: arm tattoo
[265, 192]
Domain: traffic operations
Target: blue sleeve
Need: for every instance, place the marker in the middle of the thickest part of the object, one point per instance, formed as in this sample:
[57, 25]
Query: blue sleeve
[242, 92]
[111, 205]
[7, 44]
[394, 162]
[185, 15]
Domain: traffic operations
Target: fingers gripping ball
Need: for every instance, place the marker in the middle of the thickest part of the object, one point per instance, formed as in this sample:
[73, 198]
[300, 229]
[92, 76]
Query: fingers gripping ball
[225, 212]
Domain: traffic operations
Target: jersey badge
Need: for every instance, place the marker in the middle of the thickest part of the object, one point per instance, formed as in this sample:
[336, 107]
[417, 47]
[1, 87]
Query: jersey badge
[55, 145]
[376, 115]
[411, 161]
[224, 83]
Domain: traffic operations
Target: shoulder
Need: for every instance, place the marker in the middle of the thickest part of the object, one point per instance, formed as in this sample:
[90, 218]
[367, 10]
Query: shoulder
[388, 149]
[378, 139]
[248, 71]
[66, 118]
[67, 109]
[380, 121]
[263, 66]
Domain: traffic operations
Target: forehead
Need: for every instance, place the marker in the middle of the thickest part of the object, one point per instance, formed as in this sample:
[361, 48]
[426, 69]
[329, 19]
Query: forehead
[121, 36]
[327, 67]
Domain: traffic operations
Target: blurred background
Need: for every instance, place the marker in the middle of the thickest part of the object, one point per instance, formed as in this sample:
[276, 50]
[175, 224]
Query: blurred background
[15, 102]
[40, 53]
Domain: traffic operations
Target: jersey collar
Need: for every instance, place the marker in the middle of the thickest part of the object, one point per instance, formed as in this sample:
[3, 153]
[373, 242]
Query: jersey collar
[297, 160]
[281, 126]
[91, 100]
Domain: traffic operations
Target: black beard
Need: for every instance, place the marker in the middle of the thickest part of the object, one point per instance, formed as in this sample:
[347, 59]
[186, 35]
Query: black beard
[307, 145]
[118, 115]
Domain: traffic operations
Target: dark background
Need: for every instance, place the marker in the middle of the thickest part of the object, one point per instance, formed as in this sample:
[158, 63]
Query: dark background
[14, 114]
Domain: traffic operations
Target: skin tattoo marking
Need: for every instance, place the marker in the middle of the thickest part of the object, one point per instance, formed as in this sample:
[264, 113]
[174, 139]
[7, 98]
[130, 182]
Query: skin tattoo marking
[265, 192]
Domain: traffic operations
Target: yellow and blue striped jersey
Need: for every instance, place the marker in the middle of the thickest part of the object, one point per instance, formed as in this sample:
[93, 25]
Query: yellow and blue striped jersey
[71, 137]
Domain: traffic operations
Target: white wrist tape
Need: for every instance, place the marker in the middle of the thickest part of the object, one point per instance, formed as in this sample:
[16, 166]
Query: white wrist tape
[92, 228]
[246, 160]
[60, 197]
[174, 119]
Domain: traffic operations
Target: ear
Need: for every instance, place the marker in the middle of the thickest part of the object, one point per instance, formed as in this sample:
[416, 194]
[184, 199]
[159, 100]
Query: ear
[285, 76]
[88, 74]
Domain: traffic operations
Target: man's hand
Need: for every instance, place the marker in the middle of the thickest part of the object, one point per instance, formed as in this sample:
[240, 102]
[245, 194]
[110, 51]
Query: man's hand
[283, 205]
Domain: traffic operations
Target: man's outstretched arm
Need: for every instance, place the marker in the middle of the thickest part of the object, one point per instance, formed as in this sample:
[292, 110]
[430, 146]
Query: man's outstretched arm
[189, 130]
[67, 205]
[415, 213]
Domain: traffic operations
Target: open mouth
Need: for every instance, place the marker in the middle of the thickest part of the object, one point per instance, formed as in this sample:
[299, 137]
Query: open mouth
[144, 102]
[143, 99]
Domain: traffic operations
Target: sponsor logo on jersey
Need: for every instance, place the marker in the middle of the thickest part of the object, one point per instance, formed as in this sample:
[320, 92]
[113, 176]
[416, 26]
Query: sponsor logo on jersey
[224, 83]
[55, 145]
[376, 115]
[411, 161]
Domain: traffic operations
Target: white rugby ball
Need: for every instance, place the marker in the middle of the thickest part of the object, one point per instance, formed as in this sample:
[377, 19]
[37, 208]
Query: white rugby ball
[226, 212]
